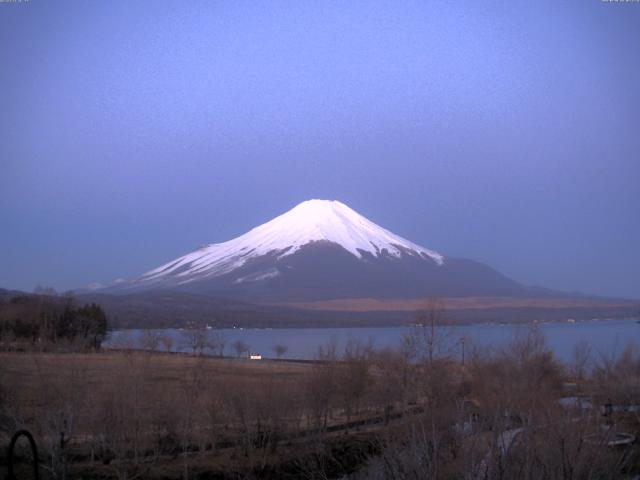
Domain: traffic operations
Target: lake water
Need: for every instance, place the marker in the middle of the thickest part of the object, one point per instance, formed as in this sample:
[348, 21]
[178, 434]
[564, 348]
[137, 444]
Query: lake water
[606, 337]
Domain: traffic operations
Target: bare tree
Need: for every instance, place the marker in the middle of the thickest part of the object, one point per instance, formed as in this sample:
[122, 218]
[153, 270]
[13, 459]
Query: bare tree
[519, 380]
[390, 374]
[423, 443]
[434, 333]
[240, 347]
[217, 343]
[618, 380]
[581, 359]
[557, 448]
[58, 418]
[321, 386]
[120, 417]
[354, 378]
[280, 349]
[195, 338]
[260, 420]
[413, 452]
[167, 342]
[192, 412]
[149, 340]
[122, 340]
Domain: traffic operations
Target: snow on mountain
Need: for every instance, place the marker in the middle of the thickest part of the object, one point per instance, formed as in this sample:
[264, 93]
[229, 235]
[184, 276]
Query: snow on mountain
[310, 221]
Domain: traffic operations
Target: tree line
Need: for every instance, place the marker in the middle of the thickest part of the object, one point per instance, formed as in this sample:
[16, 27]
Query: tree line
[196, 338]
[49, 321]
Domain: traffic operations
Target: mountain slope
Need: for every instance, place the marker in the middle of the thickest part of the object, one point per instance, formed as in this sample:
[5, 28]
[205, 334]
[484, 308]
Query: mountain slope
[309, 222]
[320, 250]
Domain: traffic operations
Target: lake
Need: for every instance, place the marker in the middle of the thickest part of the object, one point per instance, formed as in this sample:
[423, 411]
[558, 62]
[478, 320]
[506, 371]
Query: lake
[606, 337]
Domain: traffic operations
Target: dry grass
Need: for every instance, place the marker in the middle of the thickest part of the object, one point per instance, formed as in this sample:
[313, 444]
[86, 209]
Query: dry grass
[25, 371]
[464, 303]
[165, 365]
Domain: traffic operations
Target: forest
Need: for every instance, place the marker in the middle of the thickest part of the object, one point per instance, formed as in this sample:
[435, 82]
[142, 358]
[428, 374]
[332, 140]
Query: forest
[50, 322]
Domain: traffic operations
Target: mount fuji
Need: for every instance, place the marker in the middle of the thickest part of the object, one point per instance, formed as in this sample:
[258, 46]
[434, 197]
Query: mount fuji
[321, 250]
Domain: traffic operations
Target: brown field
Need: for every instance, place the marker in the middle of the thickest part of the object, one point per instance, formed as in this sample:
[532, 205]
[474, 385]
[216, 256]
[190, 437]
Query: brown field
[27, 372]
[159, 392]
[24, 368]
[464, 303]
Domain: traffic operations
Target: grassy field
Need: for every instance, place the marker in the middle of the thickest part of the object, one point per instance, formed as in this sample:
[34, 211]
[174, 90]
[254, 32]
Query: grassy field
[30, 374]
[23, 368]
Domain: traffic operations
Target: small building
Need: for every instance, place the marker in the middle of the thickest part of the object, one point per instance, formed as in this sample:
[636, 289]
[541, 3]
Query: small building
[255, 357]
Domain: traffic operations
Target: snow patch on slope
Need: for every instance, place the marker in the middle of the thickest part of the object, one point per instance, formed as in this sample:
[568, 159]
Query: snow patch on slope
[256, 277]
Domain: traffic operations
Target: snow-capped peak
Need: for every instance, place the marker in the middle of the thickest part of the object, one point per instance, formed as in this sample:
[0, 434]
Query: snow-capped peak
[309, 221]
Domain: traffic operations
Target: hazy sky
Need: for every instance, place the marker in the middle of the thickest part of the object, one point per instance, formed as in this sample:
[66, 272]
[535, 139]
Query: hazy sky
[502, 131]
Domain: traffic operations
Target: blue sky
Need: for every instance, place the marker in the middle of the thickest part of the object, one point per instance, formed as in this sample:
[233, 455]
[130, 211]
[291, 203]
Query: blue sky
[506, 132]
